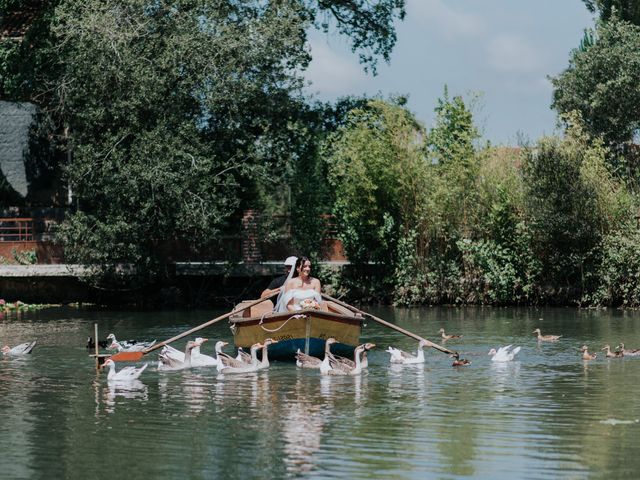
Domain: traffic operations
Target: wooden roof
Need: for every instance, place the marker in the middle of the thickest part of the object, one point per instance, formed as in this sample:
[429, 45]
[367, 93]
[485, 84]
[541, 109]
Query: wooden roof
[15, 23]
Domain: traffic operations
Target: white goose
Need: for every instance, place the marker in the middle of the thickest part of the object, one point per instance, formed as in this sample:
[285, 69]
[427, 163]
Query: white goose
[231, 365]
[264, 363]
[126, 374]
[21, 349]
[503, 354]
[307, 361]
[198, 359]
[338, 368]
[399, 356]
[169, 362]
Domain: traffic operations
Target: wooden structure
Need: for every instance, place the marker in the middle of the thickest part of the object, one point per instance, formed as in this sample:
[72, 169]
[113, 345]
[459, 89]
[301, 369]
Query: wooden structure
[306, 330]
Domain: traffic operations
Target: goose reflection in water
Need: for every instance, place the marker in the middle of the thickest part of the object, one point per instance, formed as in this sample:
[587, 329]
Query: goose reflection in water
[407, 380]
[504, 374]
[131, 390]
[304, 418]
[302, 427]
[251, 390]
[194, 389]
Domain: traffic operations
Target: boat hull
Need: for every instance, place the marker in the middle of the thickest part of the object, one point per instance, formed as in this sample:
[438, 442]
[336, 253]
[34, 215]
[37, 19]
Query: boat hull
[306, 330]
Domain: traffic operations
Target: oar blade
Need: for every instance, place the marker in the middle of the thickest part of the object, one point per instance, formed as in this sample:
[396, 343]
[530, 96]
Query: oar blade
[127, 356]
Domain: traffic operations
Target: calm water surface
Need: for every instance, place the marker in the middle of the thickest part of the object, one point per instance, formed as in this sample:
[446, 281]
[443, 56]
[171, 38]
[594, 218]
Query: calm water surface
[547, 415]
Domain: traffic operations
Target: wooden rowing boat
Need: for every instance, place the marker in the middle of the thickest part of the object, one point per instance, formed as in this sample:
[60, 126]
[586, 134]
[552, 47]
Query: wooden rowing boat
[306, 329]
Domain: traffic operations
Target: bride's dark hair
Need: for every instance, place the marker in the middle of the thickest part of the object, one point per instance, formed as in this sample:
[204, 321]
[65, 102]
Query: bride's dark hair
[299, 262]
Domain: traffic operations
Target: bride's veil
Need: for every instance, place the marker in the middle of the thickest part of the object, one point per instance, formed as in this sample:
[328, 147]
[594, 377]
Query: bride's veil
[281, 303]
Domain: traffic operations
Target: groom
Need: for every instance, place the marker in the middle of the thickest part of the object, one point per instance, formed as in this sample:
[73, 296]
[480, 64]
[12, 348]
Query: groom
[278, 282]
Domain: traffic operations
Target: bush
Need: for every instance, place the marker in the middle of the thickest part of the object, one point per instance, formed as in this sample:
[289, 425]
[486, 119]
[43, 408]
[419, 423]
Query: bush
[618, 274]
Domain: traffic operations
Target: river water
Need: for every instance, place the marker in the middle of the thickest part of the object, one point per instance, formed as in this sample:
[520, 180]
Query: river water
[547, 415]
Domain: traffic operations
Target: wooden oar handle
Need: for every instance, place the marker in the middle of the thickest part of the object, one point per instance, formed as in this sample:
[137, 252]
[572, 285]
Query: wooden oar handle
[391, 325]
[209, 323]
[135, 356]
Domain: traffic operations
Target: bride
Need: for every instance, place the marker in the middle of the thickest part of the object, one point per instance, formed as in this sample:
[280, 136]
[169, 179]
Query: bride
[302, 291]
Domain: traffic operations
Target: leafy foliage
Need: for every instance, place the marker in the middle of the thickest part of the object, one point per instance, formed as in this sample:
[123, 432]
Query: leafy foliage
[601, 83]
[378, 171]
[169, 109]
[179, 114]
[572, 202]
[618, 275]
[368, 24]
[628, 10]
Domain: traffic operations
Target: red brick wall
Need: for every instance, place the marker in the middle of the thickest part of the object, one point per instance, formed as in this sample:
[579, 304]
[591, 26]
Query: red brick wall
[47, 252]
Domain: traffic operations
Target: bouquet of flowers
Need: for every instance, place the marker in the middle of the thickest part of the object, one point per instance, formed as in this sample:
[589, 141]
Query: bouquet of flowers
[309, 303]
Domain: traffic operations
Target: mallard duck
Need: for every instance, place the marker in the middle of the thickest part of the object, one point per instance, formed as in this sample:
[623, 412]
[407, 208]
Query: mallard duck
[610, 354]
[91, 345]
[586, 355]
[338, 368]
[264, 363]
[126, 374]
[628, 352]
[22, 349]
[171, 362]
[546, 338]
[233, 366]
[404, 358]
[503, 354]
[307, 361]
[447, 337]
[364, 362]
[460, 362]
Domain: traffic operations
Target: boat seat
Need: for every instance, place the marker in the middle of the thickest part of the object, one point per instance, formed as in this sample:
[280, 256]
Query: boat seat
[260, 309]
[335, 308]
[255, 311]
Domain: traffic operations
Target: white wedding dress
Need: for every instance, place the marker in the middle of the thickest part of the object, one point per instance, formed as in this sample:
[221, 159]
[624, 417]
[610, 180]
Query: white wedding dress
[298, 295]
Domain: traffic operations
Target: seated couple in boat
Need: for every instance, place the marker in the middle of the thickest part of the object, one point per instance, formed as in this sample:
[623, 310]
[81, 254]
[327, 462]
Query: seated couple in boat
[300, 290]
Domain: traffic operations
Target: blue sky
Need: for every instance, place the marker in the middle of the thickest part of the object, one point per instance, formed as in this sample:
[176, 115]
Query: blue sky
[501, 49]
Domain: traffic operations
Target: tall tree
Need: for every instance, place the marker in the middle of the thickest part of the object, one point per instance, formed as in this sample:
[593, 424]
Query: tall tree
[602, 82]
[628, 10]
[378, 170]
[176, 111]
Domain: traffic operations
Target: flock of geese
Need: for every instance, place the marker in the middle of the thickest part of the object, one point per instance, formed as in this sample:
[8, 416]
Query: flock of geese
[171, 358]
[331, 364]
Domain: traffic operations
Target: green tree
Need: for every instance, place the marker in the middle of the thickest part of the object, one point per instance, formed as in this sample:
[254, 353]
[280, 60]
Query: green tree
[169, 110]
[368, 24]
[451, 147]
[378, 170]
[177, 113]
[628, 10]
[573, 201]
[601, 83]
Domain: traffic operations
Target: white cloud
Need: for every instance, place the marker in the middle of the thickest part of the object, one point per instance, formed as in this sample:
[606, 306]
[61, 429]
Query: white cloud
[333, 73]
[453, 24]
[510, 53]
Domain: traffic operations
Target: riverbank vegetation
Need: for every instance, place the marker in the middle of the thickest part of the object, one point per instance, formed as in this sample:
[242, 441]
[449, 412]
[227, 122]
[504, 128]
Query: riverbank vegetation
[178, 116]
